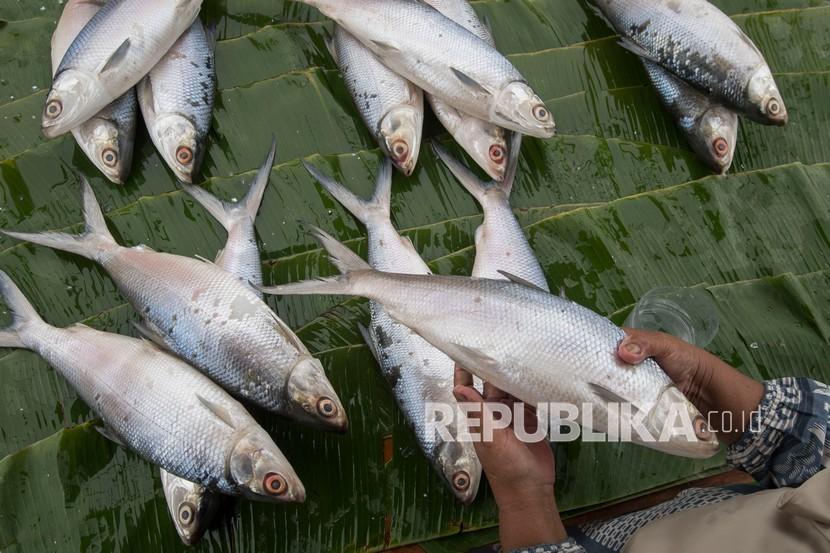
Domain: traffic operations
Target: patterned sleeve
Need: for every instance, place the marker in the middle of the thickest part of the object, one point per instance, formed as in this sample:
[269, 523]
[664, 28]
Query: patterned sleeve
[567, 546]
[788, 439]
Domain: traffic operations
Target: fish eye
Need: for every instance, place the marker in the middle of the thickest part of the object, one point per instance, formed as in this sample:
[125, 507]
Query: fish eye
[274, 484]
[497, 153]
[773, 106]
[702, 429]
[721, 146]
[187, 513]
[184, 155]
[461, 481]
[54, 108]
[326, 407]
[109, 157]
[541, 113]
[400, 149]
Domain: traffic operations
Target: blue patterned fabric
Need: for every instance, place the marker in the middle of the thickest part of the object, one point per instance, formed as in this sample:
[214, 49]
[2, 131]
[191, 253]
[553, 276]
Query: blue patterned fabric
[788, 442]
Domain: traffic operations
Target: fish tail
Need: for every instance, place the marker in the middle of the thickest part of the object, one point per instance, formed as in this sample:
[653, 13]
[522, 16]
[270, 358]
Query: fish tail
[346, 261]
[229, 214]
[377, 207]
[475, 186]
[22, 313]
[95, 238]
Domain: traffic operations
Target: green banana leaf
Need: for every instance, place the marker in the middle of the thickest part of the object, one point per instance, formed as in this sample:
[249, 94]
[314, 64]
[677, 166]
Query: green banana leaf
[615, 205]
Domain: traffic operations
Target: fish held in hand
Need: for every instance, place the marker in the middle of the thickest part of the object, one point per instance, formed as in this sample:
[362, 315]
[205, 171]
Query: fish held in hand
[417, 372]
[192, 506]
[205, 315]
[444, 59]
[176, 100]
[701, 45]
[107, 138]
[535, 346]
[158, 405]
[119, 45]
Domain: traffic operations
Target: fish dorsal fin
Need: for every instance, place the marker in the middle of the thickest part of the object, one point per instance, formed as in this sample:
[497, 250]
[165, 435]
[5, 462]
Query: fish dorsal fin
[637, 50]
[117, 57]
[469, 82]
[109, 434]
[385, 46]
[153, 336]
[367, 337]
[218, 411]
[520, 280]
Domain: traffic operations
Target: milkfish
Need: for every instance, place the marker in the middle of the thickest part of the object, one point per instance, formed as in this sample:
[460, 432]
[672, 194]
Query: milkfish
[535, 346]
[119, 45]
[391, 106]
[209, 318]
[701, 45]
[710, 127]
[192, 506]
[417, 372]
[484, 141]
[176, 100]
[158, 405]
[444, 59]
[108, 137]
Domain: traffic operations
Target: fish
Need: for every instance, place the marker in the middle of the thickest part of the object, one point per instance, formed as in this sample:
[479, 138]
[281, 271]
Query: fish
[701, 45]
[485, 142]
[112, 53]
[158, 405]
[710, 127]
[192, 506]
[176, 100]
[390, 106]
[500, 241]
[538, 347]
[418, 373]
[240, 256]
[205, 315]
[444, 59]
[108, 137]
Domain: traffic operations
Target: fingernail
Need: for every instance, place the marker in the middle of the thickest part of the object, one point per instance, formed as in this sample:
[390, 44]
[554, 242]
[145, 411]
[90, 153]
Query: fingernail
[633, 348]
[458, 396]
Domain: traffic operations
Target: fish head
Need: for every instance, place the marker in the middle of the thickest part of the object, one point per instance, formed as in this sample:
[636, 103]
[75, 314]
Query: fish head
[312, 398]
[400, 134]
[180, 143]
[764, 95]
[192, 506]
[518, 108]
[461, 469]
[716, 137]
[71, 102]
[486, 144]
[109, 148]
[261, 472]
[679, 428]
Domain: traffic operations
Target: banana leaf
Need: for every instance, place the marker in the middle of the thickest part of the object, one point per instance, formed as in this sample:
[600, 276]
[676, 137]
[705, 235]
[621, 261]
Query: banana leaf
[614, 205]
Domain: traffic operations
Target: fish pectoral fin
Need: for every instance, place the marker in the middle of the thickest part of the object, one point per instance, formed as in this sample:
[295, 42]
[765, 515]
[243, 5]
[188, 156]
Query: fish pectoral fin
[385, 46]
[637, 50]
[367, 337]
[331, 47]
[610, 395]
[476, 359]
[152, 335]
[469, 82]
[117, 57]
[109, 434]
[206, 260]
[218, 411]
[520, 280]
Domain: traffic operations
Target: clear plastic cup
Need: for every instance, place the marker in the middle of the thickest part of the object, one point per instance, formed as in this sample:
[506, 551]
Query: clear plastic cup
[687, 313]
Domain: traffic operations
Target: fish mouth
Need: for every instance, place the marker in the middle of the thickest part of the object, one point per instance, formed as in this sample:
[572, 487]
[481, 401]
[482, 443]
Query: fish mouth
[400, 135]
[520, 109]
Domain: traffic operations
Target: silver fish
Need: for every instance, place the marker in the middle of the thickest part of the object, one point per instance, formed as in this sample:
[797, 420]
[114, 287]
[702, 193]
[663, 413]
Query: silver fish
[176, 99]
[108, 137]
[501, 244]
[444, 59]
[158, 405]
[701, 45]
[192, 506]
[535, 346]
[391, 106]
[417, 372]
[206, 316]
[484, 141]
[710, 127]
[118, 46]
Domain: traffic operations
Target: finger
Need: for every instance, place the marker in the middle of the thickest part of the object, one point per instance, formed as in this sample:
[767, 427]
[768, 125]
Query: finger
[474, 404]
[640, 344]
[462, 377]
[491, 393]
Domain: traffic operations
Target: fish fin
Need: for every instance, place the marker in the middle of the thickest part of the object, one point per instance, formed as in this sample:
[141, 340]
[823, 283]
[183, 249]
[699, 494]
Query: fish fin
[474, 358]
[367, 337]
[218, 259]
[469, 82]
[343, 258]
[22, 313]
[609, 395]
[562, 293]
[514, 147]
[385, 46]
[95, 237]
[407, 243]
[637, 50]
[523, 282]
[151, 334]
[204, 259]
[211, 34]
[109, 434]
[117, 57]
[218, 411]
[485, 20]
[331, 47]
[377, 206]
